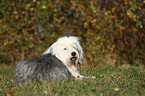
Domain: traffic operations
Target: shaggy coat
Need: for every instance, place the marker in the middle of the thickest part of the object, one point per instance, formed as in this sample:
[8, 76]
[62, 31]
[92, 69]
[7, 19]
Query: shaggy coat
[59, 62]
[45, 67]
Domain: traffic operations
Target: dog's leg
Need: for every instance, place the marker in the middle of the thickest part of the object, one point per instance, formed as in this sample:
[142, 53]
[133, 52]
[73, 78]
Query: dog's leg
[90, 77]
[80, 77]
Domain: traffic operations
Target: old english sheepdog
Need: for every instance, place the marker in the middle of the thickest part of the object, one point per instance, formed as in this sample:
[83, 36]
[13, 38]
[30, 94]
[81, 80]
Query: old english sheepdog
[59, 62]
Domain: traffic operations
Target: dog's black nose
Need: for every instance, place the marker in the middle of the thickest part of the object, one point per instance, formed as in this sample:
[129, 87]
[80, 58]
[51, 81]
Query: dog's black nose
[73, 53]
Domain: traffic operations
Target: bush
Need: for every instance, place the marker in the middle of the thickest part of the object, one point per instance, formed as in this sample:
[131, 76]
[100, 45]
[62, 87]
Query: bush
[106, 27]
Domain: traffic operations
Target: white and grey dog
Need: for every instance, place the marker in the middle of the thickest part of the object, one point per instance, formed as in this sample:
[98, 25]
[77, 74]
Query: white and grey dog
[59, 62]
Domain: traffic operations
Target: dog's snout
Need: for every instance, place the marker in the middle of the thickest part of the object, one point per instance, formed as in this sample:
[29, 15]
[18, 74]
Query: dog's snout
[73, 53]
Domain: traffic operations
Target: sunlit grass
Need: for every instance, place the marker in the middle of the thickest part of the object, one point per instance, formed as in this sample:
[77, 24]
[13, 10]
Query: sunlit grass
[110, 81]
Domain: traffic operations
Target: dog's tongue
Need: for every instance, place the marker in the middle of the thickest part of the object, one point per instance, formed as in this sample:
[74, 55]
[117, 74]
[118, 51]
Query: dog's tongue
[73, 59]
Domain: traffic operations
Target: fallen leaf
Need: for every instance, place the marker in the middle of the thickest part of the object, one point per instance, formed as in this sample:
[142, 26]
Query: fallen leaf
[116, 89]
[9, 93]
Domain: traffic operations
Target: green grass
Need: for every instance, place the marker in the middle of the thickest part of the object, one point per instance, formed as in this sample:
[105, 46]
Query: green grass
[110, 81]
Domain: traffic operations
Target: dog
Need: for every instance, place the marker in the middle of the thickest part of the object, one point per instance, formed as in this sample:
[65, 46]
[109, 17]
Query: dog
[59, 62]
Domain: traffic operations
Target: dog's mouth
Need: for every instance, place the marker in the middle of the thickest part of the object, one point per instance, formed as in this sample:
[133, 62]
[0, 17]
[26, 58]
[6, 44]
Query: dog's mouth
[73, 59]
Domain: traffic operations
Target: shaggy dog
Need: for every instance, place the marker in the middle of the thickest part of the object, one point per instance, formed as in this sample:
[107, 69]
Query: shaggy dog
[59, 62]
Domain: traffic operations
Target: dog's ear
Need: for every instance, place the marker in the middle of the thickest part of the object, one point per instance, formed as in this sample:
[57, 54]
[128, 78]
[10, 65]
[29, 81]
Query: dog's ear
[80, 51]
[78, 65]
[50, 49]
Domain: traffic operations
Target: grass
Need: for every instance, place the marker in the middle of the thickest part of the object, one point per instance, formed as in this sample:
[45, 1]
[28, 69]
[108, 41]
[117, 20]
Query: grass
[110, 81]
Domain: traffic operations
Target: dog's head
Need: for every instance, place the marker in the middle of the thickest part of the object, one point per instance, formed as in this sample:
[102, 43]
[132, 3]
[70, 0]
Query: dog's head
[68, 50]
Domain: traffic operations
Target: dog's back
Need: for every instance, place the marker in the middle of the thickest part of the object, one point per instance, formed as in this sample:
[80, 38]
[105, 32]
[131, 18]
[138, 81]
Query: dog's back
[45, 67]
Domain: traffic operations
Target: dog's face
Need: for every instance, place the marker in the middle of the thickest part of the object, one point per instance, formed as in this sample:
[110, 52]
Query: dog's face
[68, 56]
[68, 50]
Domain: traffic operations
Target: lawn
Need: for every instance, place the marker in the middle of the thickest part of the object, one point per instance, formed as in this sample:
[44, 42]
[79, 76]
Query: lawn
[110, 81]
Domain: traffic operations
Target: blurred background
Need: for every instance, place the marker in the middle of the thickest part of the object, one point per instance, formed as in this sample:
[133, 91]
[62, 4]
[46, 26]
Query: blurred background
[112, 31]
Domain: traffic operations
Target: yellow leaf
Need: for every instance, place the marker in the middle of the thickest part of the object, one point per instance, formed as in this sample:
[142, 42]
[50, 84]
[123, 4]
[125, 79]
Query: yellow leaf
[32, 9]
[141, 26]
[106, 13]
[15, 12]
[1, 20]
[28, 5]
[109, 12]
[23, 12]
[5, 43]
[38, 2]
[43, 7]
[34, 0]
[16, 16]
[85, 24]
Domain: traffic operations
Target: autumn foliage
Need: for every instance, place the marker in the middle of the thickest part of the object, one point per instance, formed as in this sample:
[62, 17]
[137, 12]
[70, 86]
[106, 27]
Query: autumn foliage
[116, 27]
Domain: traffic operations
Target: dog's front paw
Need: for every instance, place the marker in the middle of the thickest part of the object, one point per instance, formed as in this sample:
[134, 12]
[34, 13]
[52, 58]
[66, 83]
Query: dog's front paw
[90, 77]
[80, 77]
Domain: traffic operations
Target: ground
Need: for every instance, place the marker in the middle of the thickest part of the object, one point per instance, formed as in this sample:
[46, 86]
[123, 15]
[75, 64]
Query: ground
[110, 81]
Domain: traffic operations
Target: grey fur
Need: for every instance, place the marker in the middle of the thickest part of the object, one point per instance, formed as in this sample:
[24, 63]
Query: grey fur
[45, 67]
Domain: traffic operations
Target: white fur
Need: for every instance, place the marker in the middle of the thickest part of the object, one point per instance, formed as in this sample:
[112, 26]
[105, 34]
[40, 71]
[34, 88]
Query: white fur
[63, 48]
[72, 42]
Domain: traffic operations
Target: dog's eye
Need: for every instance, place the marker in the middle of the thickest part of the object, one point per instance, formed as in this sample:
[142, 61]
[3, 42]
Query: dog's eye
[65, 49]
